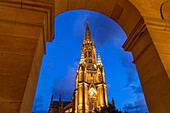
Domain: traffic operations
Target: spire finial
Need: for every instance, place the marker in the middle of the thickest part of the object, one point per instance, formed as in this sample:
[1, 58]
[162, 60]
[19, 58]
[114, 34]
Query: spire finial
[87, 36]
[99, 59]
[87, 21]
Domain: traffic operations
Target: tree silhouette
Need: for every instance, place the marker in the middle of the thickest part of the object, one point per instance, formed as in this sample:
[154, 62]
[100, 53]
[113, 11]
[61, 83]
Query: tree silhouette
[108, 109]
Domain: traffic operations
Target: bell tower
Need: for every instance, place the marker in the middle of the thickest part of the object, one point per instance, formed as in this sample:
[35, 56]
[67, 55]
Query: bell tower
[90, 92]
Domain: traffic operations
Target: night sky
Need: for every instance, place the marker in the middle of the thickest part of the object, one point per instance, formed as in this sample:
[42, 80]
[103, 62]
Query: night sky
[59, 65]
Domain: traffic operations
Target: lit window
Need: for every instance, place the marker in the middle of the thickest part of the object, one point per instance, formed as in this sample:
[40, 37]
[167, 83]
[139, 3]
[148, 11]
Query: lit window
[91, 93]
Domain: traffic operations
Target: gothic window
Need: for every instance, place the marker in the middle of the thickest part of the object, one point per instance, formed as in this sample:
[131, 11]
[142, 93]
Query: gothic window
[100, 78]
[88, 79]
[90, 54]
[80, 76]
[86, 44]
[85, 54]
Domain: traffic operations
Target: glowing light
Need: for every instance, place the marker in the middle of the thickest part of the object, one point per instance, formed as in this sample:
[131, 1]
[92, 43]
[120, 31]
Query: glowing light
[95, 66]
[91, 93]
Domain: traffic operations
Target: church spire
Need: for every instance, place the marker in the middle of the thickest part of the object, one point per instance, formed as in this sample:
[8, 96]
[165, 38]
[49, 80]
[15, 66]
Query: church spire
[87, 36]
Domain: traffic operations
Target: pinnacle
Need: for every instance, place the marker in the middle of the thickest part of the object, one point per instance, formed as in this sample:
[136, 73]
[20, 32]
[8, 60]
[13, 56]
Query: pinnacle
[87, 36]
[99, 59]
[82, 58]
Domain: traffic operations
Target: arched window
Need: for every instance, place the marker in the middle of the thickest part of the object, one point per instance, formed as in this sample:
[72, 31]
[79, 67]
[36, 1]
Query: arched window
[85, 54]
[80, 76]
[90, 54]
[100, 77]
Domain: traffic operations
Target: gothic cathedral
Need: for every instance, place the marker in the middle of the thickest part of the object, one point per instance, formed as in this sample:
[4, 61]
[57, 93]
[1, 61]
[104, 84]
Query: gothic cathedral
[91, 91]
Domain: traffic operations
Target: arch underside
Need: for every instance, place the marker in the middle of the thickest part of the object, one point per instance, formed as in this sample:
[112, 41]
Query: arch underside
[145, 23]
[26, 25]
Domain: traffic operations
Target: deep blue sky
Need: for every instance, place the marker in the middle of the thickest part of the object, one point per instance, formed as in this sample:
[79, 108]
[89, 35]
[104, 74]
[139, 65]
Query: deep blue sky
[57, 75]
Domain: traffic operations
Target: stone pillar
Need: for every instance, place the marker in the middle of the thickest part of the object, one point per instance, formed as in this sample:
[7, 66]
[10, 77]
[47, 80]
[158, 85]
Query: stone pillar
[150, 46]
[101, 96]
[86, 104]
[25, 27]
[103, 90]
[80, 98]
[76, 101]
[83, 110]
[106, 99]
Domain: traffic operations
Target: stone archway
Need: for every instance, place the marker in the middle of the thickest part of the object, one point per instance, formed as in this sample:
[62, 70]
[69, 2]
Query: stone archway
[26, 25]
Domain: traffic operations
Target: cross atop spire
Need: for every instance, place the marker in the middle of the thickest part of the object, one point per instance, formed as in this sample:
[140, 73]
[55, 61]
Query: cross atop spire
[87, 36]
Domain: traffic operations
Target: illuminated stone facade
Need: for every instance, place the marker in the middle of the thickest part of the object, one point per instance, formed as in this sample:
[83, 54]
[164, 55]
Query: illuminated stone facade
[90, 92]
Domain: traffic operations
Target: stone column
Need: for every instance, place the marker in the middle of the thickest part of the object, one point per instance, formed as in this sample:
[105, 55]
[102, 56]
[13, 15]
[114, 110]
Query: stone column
[106, 99]
[150, 46]
[76, 101]
[25, 27]
[86, 104]
[103, 90]
[101, 96]
[80, 96]
[83, 110]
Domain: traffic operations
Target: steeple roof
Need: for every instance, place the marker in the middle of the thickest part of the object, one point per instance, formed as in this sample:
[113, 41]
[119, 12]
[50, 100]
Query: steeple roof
[87, 33]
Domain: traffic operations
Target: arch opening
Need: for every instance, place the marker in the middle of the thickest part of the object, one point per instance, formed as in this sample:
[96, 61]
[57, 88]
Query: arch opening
[108, 37]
